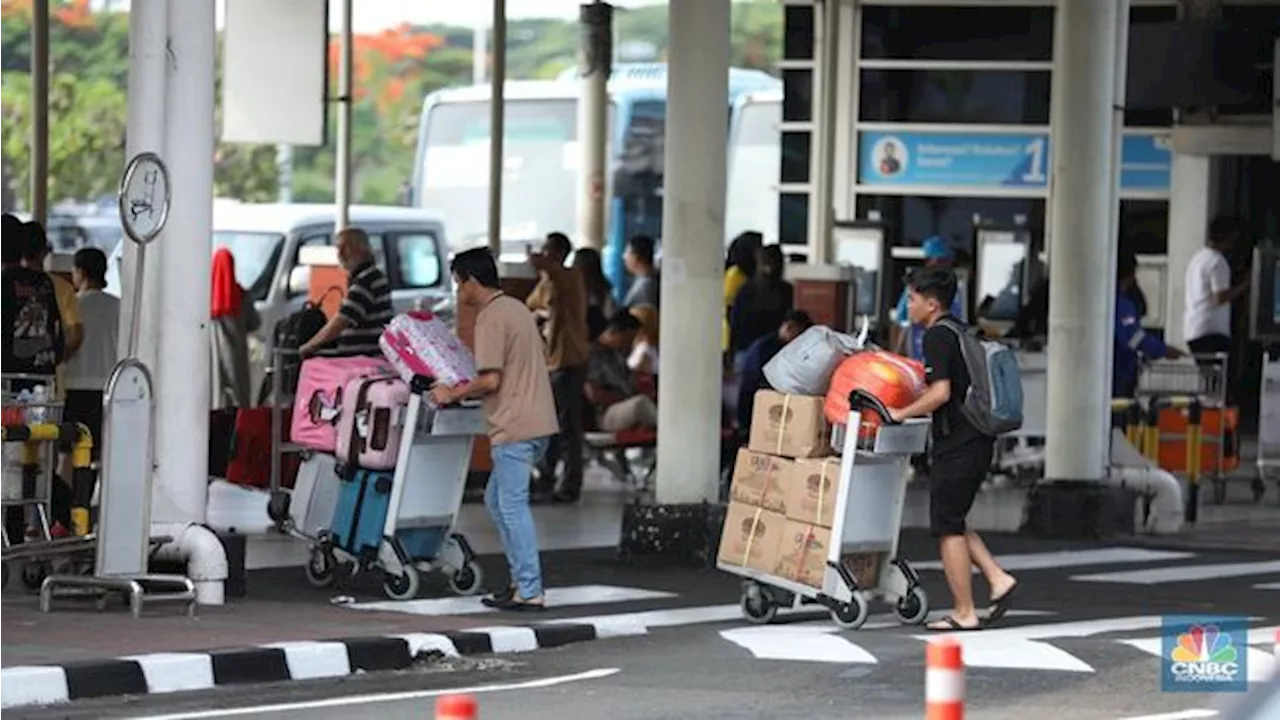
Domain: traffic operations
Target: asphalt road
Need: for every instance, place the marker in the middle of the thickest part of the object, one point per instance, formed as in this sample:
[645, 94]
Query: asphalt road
[1084, 644]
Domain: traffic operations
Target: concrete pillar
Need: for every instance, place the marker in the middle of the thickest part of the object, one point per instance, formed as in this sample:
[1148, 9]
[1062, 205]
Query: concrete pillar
[185, 250]
[826, 111]
[1082, 282]
[1190, 205]
[346, 100]
[148, 76]
[693, 251]
[595, 63]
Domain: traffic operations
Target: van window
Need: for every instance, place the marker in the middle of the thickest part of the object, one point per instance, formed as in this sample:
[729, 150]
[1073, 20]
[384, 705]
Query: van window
[418, 260]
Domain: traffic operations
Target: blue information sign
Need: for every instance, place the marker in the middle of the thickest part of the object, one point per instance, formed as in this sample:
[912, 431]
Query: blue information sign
[992, 160]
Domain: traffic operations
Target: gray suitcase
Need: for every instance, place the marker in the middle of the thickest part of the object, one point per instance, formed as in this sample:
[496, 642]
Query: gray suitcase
[315, 494]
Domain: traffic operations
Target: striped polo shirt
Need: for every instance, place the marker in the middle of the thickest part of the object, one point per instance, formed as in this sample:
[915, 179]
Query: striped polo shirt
[368, 307]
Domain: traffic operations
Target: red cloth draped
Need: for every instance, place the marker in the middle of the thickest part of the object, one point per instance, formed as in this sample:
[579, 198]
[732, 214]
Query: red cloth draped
[226, 291]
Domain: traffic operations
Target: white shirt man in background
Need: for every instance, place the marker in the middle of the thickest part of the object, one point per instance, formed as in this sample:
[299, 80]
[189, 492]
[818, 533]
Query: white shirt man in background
[1206, 320]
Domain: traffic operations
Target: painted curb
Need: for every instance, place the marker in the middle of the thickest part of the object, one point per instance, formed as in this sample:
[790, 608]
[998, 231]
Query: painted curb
[26, 686]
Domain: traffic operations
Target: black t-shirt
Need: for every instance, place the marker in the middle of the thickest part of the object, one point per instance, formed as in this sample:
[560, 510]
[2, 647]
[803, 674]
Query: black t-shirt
[943, 360]
[32, 338]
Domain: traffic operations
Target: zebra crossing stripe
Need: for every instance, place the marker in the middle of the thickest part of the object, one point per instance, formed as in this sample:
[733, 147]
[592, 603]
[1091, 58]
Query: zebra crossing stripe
[1184, 573]
[556, 597]
[1260, 662]
[1267, 586]
[1074, 558]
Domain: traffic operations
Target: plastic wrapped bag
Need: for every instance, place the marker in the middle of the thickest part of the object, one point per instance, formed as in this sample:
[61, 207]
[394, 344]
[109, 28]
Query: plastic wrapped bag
[804, 365]
[418, 343]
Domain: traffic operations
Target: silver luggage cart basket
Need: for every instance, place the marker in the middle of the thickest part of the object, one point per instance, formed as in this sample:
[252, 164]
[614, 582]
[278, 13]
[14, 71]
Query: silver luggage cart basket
[1193, 386]
[862, 563]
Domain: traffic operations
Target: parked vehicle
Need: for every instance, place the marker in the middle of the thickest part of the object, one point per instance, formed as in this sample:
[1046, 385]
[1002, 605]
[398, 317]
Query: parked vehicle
[266, 239]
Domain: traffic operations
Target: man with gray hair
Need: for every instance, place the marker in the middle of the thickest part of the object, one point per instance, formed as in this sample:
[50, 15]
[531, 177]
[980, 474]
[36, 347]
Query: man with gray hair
[367, 308]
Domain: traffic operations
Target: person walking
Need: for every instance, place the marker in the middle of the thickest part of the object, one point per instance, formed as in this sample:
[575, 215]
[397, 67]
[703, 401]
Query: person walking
[520, 411]
[960, 455]
[1207, 298]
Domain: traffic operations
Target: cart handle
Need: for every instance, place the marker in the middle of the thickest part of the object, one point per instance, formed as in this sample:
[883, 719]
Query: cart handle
[421, 384]
[863, 400]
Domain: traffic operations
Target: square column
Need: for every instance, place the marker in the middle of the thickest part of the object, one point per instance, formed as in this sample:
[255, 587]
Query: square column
[1082, 269]
[689, 395]
[1191, 193]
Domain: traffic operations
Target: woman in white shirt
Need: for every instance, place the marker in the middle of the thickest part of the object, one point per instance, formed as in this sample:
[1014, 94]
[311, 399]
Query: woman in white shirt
[89, 369]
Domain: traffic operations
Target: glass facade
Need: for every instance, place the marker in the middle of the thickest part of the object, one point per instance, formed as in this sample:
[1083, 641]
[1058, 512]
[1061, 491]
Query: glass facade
[950, 123]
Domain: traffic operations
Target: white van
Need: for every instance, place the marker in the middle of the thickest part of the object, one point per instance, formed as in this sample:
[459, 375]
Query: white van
[266, 239]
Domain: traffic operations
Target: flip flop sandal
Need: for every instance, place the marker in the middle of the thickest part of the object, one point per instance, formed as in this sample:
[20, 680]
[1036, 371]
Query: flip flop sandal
[1000, 606]
[952, 625]
[516, 605]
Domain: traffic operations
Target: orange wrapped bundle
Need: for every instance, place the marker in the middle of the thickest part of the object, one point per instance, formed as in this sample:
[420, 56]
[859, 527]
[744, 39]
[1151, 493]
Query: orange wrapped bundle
[892, 379]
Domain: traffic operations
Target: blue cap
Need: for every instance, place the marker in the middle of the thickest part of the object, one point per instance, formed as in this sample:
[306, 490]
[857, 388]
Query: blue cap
[935, 248]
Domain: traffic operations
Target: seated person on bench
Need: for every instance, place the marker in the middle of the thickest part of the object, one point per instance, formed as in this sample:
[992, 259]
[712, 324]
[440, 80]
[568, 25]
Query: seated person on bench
[758, 354]
[610, 387]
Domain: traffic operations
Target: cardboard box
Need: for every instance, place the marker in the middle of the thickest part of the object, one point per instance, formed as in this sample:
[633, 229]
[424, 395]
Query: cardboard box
[789, 425]
[803, 557]
[811, 488]
[865, 567]
[760, 480]
[752, 537]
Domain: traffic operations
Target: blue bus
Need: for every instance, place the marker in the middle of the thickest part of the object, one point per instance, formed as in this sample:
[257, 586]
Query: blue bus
[542, 159]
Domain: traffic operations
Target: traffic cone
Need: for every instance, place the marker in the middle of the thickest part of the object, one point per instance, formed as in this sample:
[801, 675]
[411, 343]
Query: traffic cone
[944, 681]
[456, 707]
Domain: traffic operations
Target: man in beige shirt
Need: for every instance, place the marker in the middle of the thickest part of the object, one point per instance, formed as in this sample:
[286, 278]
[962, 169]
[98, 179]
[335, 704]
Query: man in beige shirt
[520, 411]
[560, 302]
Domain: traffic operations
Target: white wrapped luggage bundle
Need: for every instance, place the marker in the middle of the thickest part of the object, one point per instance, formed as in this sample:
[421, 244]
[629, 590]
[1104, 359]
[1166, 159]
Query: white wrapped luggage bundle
[804, 366]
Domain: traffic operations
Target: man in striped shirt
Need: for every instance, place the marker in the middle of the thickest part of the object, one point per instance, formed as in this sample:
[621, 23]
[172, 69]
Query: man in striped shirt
[367, 308]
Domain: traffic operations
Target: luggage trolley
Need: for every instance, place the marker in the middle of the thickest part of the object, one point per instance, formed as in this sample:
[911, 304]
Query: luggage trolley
[867, 522]
[1198, 389]
[425, 497]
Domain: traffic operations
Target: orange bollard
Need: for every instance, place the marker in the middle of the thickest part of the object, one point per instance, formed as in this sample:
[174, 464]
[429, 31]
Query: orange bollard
[456, 707]
[944, 681]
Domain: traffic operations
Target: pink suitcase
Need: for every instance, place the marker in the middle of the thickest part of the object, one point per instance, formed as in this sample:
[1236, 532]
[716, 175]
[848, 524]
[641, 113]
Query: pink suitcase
[318, 404]
[372, 419]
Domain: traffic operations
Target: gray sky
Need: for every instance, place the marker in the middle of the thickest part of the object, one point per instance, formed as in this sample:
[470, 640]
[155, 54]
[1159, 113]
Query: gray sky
[373, 15]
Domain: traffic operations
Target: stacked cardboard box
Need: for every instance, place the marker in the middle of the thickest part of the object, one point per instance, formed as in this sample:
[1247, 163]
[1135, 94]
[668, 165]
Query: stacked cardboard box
[782, 500]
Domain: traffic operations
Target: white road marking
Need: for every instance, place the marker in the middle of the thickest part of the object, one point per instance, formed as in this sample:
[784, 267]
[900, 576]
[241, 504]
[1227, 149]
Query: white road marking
[386, 697]
[800, 643]
[1073, 558]
[1261, 662]
[1019, 647]
[556, 597]
[1185, 573]
[1180, 715]
[1267, 586]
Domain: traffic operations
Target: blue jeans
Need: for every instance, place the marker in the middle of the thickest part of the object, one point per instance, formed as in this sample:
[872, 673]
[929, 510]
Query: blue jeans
[507, 497]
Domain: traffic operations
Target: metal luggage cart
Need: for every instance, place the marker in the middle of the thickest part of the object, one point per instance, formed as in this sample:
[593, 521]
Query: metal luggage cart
[867, 524]
[28, 473]
[278, 505]
[426, 495]
[1268, 462]
[1194, 387]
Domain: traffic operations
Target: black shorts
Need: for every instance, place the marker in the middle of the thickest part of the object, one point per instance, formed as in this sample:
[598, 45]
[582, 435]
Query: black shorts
[85, 406]
[954, 482]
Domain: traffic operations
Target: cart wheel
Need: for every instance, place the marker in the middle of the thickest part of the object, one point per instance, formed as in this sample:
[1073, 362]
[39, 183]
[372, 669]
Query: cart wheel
[1219, 491]
[913, 607]
[466, 581]
[853, 615]
[1259, 488]
[758, 608]
[321, 568]
[403, 586]
[33, 574]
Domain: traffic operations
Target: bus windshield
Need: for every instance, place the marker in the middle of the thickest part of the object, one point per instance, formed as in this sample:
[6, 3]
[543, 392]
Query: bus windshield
[754, 159]
[539, 193]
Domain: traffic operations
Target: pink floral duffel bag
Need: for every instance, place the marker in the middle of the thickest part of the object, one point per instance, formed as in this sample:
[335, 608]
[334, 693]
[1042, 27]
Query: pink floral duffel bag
[318, 405]
[418, 343]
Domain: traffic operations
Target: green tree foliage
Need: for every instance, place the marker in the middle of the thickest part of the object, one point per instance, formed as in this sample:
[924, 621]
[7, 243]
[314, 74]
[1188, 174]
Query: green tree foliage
[395, 70]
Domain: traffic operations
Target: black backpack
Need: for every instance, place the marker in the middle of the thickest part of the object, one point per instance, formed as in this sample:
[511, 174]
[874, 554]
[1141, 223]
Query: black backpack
[292, 333]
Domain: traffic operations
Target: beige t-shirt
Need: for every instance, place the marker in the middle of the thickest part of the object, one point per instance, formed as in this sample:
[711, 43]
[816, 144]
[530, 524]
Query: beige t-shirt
[507, 341]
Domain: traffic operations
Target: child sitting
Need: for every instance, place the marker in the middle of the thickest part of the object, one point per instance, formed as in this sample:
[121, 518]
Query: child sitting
[610, 387]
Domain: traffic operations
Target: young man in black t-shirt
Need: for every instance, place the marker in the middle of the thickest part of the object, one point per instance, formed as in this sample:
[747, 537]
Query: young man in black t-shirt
[959, 455]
